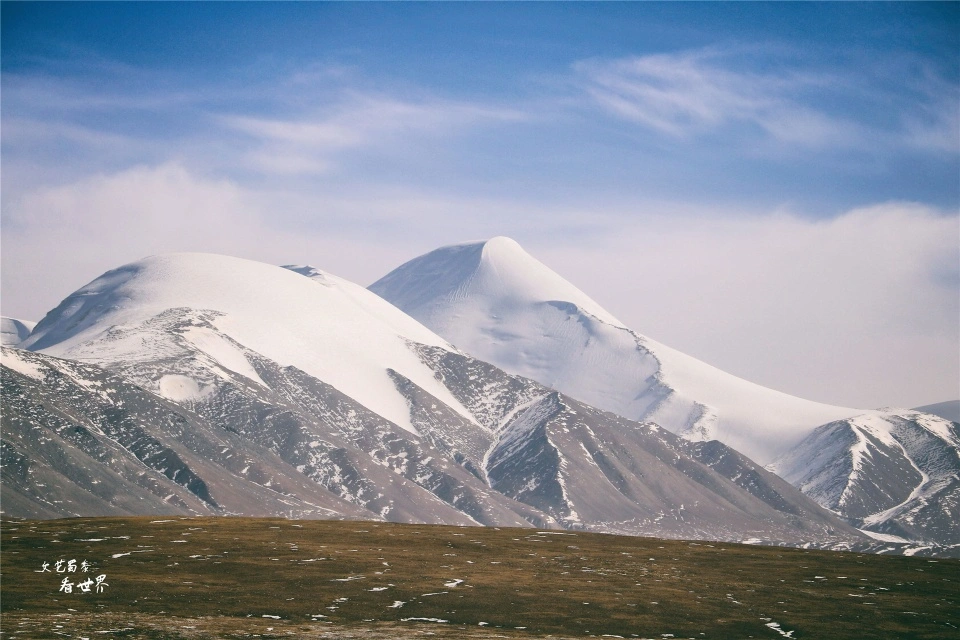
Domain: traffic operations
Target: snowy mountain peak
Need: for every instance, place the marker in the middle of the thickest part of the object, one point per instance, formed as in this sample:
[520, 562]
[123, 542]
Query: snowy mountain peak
[492, 274]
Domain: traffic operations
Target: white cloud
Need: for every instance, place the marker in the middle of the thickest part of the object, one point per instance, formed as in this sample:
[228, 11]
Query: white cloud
[165, 200]
[29, 131]
[58, 238]
[307, 143]
[860, 310]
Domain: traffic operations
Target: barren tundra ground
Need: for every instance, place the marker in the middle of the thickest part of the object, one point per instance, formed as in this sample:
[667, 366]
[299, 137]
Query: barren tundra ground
[175, 577]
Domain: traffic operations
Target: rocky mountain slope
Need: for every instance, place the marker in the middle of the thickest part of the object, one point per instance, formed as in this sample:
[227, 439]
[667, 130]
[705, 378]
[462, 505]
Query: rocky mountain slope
[895, 473]
[192, 383]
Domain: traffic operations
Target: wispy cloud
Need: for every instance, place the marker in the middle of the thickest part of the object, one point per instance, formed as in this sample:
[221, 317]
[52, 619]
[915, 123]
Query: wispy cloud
[688, 93]
[30, 131]
[52, 94]
[306, 143]
[714, 91]
[935, 122]
[298, 123]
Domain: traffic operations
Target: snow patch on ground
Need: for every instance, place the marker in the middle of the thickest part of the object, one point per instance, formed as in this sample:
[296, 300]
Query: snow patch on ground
[182, 388]
[885, 537]
[423, 620]
[776, 627]
[221, 350]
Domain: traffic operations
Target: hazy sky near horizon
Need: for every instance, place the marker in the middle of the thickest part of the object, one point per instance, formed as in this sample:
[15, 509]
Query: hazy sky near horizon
[773, 188]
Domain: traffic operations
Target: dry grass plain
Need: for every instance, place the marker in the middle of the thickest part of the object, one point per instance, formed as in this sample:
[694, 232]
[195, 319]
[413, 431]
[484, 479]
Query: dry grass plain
[175, 577]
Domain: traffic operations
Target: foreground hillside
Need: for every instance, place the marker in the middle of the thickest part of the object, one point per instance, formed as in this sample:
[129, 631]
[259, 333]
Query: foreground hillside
[179, 577]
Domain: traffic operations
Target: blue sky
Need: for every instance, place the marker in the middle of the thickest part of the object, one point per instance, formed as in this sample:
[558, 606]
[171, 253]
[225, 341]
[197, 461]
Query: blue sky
[772, 187]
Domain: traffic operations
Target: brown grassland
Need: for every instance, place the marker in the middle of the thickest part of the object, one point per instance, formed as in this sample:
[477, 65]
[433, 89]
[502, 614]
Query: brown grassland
[175, 577]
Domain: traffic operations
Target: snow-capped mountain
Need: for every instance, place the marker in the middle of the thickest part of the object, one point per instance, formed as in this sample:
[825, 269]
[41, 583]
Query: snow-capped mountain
[496, 302]
[895, 473]
[166, 308]
[14, 331]
[499, 304]
[227, 379]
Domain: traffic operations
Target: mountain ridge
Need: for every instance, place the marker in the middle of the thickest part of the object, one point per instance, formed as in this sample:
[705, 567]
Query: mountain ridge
[200, 335]
[160, 359]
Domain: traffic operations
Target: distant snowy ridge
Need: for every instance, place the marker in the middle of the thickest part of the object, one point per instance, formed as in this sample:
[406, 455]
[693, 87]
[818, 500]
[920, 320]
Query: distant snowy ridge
[14, 331]
[498, 303]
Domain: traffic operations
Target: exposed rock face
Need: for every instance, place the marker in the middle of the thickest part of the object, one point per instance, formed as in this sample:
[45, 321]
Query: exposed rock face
[892, 472]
